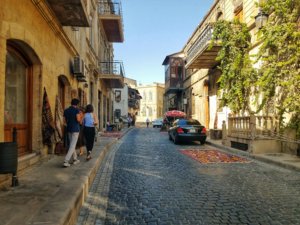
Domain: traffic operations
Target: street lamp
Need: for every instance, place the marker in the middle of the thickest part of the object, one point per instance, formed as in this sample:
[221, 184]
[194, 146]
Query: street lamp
[261, 19]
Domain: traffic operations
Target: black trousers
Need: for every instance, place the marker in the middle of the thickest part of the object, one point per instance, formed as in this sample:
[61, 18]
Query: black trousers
[89, 134]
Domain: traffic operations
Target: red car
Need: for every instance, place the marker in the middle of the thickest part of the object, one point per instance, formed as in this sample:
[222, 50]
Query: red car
[184, 130]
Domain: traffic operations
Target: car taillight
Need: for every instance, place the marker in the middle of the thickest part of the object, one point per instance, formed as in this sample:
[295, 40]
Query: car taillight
[180, 130]
[203, 131]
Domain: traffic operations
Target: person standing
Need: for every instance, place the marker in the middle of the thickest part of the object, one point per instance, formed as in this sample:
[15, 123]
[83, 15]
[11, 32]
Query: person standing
[81, 142]
[129, 120]
[89, 122]
[73, 118]
[147, 122]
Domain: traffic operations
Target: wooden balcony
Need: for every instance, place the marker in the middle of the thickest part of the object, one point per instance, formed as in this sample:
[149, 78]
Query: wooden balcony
[112, 73]
[70, 12]
[201, 55]
[173, 86]
[110, 16]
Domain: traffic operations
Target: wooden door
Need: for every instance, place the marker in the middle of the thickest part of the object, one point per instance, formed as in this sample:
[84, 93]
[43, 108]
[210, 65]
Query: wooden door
[17, 100]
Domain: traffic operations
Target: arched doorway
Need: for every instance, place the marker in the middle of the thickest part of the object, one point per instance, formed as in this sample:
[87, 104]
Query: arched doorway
[19, 94]
[23, 92]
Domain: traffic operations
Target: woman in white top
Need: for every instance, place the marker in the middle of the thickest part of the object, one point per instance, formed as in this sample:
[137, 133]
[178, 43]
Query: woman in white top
[89, 123]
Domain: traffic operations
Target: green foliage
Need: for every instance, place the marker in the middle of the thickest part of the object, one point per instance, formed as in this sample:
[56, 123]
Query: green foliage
[277, 82]
[238, 74]
[279, 76]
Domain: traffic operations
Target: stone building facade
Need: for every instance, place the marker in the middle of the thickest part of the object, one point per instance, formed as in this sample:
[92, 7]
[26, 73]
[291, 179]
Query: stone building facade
[61, 48]
[151, 104]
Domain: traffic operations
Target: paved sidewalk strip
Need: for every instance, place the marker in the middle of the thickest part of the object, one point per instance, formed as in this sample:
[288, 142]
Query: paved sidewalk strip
[94, 208]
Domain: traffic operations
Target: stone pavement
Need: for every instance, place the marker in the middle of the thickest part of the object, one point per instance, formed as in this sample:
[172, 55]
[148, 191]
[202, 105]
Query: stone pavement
[284, 160]
[153, 183]
[50, 194]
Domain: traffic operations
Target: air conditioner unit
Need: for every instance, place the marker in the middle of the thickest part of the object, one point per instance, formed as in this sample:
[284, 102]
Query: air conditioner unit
[78, 69]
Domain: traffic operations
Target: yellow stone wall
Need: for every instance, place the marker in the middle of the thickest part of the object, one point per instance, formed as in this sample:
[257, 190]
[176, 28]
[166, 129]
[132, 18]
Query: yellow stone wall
[54, 48]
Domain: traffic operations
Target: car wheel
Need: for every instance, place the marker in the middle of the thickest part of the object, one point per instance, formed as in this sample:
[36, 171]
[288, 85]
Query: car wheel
[202, 142]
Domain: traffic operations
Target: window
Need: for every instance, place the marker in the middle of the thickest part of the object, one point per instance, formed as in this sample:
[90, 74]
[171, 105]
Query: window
[143, 112]
[117, 95]
[150, 96]
[150, 110]
[15, 89]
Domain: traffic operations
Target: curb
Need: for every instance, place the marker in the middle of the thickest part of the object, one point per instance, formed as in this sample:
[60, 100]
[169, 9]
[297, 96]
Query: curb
[256, 157]
[73, 212]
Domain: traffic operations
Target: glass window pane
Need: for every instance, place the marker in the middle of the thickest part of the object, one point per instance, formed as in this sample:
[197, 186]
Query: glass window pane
[15, 90]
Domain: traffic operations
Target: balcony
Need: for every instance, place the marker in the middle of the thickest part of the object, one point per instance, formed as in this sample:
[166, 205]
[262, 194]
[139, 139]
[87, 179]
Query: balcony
[173, 86]
[201, 55]
[70, 12]
[134, 103]
[112, 73]
[110, 16]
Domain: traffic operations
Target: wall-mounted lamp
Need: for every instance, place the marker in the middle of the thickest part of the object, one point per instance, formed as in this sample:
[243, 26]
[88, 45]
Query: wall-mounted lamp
[261, 19]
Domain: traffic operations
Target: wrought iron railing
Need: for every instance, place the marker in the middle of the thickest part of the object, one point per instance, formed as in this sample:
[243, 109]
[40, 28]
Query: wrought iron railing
[201, 43]
[134, 103]
[107, 7]
[112, 68]
[174, 84]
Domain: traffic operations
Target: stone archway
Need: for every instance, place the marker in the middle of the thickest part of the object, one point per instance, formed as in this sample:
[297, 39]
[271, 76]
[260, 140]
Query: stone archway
[22, 94]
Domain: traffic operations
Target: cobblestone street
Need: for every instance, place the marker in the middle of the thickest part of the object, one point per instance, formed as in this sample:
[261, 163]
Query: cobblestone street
[147, 180]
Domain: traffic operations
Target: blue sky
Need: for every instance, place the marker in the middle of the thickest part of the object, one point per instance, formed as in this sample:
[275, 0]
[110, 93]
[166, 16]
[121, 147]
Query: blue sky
[154, 29]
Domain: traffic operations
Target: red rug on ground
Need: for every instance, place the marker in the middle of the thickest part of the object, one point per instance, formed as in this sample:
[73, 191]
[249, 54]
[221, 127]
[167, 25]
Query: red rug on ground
[112, 134]
[212, 156]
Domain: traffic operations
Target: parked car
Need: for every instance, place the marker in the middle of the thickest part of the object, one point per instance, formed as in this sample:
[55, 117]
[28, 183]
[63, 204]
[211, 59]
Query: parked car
[184, 130]
[157, 123]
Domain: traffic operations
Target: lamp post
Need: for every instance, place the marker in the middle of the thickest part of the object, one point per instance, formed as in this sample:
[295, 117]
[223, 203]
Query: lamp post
[261, 19]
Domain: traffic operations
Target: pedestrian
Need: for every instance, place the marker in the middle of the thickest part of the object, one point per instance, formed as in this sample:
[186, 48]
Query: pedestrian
[81, 142]
[129, 121]
[72, 118]
[89, 129]
[147, 122]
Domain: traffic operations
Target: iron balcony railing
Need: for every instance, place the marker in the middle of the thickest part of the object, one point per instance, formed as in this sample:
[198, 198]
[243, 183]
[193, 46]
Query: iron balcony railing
[201, 43]
[134, 103]
[112, 68]
[174, 84]
[107, 7]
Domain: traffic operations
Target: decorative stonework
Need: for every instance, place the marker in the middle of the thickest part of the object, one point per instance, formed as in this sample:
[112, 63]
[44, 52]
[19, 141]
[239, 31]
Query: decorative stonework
[237, 5]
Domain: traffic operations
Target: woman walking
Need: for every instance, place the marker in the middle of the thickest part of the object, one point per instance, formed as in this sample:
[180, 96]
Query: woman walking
[89, 123]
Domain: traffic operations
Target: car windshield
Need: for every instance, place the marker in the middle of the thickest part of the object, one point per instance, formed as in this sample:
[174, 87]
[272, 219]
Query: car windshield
[187, 122]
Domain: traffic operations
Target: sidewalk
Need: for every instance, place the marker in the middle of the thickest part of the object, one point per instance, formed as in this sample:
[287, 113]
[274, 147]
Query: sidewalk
[50, 194]
[280, 159]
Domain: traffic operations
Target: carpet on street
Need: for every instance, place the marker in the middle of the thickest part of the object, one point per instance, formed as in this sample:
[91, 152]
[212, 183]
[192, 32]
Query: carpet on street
[212, 156]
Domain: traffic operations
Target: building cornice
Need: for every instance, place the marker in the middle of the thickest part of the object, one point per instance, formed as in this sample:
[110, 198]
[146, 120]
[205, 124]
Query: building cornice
[54, 24]
[201, 23]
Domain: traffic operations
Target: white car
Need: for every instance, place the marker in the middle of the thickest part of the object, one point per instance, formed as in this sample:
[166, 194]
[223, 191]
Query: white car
[157, 123]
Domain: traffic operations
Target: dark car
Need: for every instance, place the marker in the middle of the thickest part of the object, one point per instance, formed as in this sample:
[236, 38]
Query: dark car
[184, 130]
